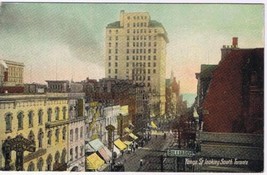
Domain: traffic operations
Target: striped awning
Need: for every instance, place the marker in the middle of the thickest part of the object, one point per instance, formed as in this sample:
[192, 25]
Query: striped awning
[94, 162]
[133, 136]
[120, 144]
[104, 154]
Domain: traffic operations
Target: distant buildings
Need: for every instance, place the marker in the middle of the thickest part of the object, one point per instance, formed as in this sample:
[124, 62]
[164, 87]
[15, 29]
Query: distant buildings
[136, 50]
[11, 76]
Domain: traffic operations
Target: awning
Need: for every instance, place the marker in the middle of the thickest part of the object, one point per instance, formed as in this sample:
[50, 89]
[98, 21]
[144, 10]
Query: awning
[127, 142]
[120, 144]
[96, 144]
[133, 136]
[107, 151]
[104, 154]
[153, 125]
[127, 130]
[89, 148]
[116, 150]
[94, 162]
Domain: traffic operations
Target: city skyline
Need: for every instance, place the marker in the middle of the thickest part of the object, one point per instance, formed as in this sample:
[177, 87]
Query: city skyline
[53, 39]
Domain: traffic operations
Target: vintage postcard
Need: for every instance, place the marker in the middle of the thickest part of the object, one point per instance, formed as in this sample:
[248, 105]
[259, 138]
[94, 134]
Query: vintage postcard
[133, 87]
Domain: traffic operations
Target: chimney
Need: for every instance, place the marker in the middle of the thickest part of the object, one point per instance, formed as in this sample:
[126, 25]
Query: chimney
[235, 42]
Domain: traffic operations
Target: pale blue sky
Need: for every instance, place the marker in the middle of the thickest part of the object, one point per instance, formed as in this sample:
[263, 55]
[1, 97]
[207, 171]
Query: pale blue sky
[71, 36]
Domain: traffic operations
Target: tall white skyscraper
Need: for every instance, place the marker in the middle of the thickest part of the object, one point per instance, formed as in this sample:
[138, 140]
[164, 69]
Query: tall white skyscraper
[136, 50]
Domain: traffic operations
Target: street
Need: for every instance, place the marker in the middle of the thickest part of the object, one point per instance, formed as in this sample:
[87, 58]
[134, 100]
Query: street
[150, 154]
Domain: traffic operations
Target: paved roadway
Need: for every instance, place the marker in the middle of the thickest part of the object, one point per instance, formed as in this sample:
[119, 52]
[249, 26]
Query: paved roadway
[150, 154]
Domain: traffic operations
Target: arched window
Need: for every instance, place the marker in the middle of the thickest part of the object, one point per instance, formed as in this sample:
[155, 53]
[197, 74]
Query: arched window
[64, 133]
[49, 135]
[57, 135]
[71, 154]
[40, 138]
[30, 115]
[31, 137]
[76, 152]
[64, 110]
[40, 117]
[49, 162]
[57, 156]
[63, 156]
[40, 164]
[76, 134]
[49, 114]
[31, 167]
[57, 113]
[8, 119]
[71, 135]
[20, 120]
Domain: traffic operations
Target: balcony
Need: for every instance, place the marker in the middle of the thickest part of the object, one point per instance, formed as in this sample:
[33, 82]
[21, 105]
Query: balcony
[56, 123]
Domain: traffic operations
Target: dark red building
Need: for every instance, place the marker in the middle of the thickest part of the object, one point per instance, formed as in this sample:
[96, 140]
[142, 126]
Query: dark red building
[234, 102]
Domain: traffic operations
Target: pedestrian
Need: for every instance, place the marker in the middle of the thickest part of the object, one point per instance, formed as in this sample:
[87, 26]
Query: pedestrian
[141, 163]
[122, 153]
[136, 146]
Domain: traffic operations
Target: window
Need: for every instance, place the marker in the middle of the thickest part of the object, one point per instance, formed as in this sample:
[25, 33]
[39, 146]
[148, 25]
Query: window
[154, 71]
[63, 156]
[109, 50]
[71, 154]
[110, 31]
[116, 71]
[148, 71]
[30, 116]
[49, 162]
[8, 119]
[81, 132]
[76, 134]
[127, 64]
[155, 44]
[148, 64]
[128, 38]
[109, 57]
[49, 135]
[49, 114]
[31, 167]
[76, 152]
[154, 64]
[116, 50]
[116, 64]
[116, 57]
[127, 58]
[40, 117]
[109, 64]
[155, 50]
[40, 164]
[71, 135]
[57, 113]
[31, 137]
[117, 37]
[117, 31]
[64, 133]
[81, 151]
[40, 138]
[64, 112]
[57, 135]
[57, 155]
[20, 121]
[149, 50]
[109, 44]
[109, 71]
